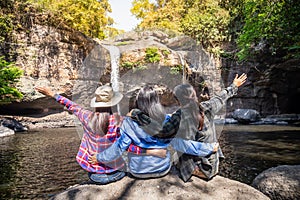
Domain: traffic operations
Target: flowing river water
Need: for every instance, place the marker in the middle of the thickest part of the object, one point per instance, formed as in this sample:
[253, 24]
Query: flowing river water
[39, 164]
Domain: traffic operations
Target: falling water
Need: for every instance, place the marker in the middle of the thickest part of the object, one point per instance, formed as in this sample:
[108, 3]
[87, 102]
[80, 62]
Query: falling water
[183, 68]
[114, 59]
[114, 53]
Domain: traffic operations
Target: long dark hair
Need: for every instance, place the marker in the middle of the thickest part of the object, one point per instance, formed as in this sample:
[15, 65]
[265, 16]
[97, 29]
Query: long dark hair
[187, 97]
[99, 120]
[147, 100]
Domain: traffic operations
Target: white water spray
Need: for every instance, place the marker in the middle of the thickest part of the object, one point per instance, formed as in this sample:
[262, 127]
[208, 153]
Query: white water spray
[114, 61]
[183, 67]
[114, 53]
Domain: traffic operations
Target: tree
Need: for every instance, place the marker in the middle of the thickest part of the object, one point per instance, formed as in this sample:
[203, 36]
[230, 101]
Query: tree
[203, 20]
[164, 14]
[9, 76]
[206, 22]
[88, 16]
[273, 25]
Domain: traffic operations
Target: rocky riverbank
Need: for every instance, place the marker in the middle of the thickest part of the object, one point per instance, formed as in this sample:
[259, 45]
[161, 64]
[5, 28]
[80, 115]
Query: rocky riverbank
[66, 119]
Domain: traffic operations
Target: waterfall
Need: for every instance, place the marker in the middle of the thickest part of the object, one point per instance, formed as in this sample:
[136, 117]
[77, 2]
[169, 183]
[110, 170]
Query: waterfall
[114, 61]
[183, 68]
[114, 53]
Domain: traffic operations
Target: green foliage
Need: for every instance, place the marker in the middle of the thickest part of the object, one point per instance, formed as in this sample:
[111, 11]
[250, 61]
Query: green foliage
[206, 22]
[9, 76]
[272, 26]
[6, 26]
[87, 16]
[176, 69]
[135, 66]
[165, 52]
[128, 64]
[274, 23]
[160, 15]
[203, 20]
[152, 55]
[142, 8]
[140, 67]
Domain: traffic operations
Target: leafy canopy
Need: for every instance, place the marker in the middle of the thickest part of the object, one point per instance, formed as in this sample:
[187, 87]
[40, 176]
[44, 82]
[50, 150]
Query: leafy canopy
[203, 20]
[159, 15]
[88, 16]
[272, 23]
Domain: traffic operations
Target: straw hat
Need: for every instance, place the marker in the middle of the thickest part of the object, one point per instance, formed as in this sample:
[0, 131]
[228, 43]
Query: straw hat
[105, 97]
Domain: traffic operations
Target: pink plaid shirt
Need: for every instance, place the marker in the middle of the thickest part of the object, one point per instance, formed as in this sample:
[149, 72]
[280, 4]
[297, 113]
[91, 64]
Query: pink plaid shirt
[93, 142]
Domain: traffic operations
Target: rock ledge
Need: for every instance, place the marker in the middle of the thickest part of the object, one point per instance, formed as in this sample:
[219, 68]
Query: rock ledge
[167, 188]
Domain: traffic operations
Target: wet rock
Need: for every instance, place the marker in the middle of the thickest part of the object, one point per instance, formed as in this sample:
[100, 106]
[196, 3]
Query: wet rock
[225, 121]
[289, 118]
[12, 124]
[246, 116]
[4, 131]
[282, 182]
[230, 121]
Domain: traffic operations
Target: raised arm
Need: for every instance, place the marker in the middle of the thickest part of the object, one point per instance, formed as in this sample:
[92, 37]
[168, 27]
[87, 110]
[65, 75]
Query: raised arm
[45, 91]
[71, 106]
[216, 103]
[86, 117]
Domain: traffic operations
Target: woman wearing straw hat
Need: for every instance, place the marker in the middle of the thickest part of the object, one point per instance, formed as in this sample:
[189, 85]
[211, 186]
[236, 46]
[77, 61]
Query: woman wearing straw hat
[101, 130]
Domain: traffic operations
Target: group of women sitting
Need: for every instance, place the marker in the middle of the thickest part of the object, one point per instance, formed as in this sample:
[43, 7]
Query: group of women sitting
[147, 142]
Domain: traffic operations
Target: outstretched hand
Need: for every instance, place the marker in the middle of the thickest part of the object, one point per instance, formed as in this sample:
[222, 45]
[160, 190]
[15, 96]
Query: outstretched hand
[238, 81]
[46, 91]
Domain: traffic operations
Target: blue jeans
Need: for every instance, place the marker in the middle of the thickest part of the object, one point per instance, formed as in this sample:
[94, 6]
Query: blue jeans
[106, 178]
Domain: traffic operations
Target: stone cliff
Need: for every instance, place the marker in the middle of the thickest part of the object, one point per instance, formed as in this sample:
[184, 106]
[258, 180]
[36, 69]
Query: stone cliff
[73, 64]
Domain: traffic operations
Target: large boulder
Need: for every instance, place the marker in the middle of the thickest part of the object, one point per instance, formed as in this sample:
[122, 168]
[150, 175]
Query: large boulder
[12, 124]
[246, 116]
[168, 188]
[282, 182]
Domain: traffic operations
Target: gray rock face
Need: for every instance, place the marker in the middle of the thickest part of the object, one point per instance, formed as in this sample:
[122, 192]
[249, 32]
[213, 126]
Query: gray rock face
[49, 56]
[279, 183]
[271, 89]
[73, 65]
[168, 188]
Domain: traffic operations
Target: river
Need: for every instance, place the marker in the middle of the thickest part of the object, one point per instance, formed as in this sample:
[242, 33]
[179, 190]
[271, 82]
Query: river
[39, 164]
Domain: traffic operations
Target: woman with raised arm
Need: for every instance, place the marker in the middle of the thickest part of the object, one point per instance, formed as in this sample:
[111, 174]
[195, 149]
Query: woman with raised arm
[100, 131]
[197, 123]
